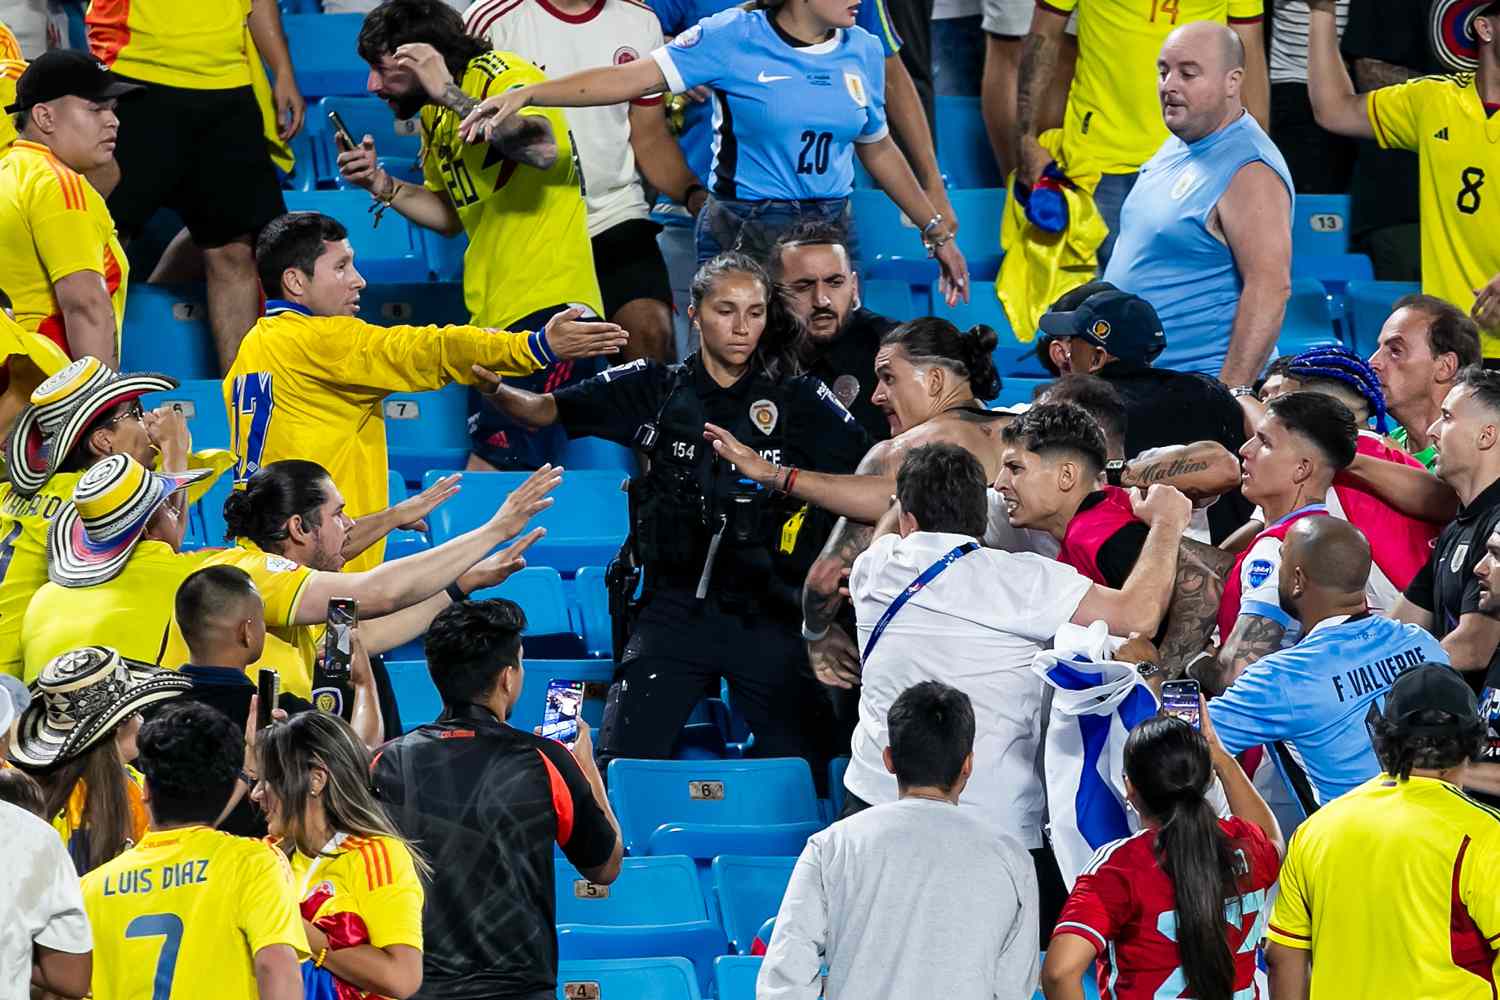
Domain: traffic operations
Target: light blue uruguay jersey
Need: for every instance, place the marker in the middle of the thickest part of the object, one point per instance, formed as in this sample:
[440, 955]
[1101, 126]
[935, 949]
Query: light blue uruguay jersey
[785, 117]
[1315, 696]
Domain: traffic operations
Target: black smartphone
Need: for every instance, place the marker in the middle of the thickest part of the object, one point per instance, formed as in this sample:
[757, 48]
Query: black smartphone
[332, 687]
[1181, 699]
[267, 689]
[341, 134]
[560, 714]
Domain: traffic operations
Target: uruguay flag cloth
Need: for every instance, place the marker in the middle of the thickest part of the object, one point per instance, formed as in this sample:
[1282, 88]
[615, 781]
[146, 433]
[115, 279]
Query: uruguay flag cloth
[1095, 704]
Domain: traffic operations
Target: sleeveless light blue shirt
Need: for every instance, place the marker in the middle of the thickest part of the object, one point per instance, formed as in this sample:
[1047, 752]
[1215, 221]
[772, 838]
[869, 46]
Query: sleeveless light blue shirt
[1165, 253]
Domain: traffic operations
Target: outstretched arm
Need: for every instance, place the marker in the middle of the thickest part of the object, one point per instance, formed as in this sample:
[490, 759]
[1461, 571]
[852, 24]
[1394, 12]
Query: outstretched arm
[1038, 59]
[1413, 491]
[1252, 638]
[1335, 104]
[1201, 470]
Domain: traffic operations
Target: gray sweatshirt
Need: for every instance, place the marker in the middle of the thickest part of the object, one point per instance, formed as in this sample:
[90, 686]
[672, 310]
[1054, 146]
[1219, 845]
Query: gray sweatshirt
[915, 898]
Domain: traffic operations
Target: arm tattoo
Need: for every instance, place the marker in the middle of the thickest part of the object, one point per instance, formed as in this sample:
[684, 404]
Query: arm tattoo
[1253, 637]
[456, 100]
[1372, 74]
[1038, 54]
[524, 138]
[1161, 472]
[821, 599]
[1195, 603]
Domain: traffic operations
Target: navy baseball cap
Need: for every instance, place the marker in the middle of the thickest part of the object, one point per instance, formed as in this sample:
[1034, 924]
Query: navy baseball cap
[67, 73]
[1125, 325]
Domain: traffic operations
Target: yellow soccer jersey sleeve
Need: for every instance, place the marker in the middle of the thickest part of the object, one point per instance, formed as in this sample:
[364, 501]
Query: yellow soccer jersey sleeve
[1291, 919]
[1113, 117]
[194, 44]
[187, 908]
[10, 71]
[374, 880]
[23, 556]
[1443, 120]
[61, 226]
[529, 245]
[10, 48]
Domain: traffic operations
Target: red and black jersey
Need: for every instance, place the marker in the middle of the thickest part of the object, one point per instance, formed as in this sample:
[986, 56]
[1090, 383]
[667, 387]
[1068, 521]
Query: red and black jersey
[485, 802]
[1104, 539]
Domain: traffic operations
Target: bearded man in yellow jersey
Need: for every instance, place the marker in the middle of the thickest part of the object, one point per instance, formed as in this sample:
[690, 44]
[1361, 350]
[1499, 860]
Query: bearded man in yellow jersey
[1451, 123]
[76, 419]
[64, 268]
[190, 910]
[1113, 121]
[519, 197]
[310, 379]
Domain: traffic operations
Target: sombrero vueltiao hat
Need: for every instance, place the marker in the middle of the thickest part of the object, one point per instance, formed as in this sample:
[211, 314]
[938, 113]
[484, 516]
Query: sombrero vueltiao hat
[94, 533]
[61, 409]
[80, 697]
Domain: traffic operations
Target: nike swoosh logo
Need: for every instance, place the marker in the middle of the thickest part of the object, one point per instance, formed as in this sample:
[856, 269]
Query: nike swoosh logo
[762, 78]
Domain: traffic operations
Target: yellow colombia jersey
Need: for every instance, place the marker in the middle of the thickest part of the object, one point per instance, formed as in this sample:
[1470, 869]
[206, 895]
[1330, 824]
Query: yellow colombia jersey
[1442, 119]
[184, 912]
[366, 893]
[197, 44]
[10, 49]
[528, 231]
[313, 387]
[10, 72]
[290, 649]
[1423, 846]
[1114, 115]
[129, 613]
[53, 224]
[23, 556]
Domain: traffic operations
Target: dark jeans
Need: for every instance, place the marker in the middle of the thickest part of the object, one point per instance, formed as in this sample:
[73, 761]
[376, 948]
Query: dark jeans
[1321, 162]
[1052, 892]
[957, 56]
[753, 227]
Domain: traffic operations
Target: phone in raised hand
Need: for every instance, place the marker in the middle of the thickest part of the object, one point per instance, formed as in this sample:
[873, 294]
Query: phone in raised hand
[1182, 700]
[560, 715]
[341, 134]
[267, 689]
[333, 686]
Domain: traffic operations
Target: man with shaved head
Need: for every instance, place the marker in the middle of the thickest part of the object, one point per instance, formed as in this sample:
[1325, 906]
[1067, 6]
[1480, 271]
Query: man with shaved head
[1206, 232]
[1314, 696]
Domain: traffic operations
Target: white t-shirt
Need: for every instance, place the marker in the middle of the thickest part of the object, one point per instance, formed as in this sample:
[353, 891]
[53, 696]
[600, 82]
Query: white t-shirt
[40, 902]
[611, 32]
[976, 627]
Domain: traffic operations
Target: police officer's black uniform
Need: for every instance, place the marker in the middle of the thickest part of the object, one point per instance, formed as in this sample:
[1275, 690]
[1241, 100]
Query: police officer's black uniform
[846, 364]
[745, 627]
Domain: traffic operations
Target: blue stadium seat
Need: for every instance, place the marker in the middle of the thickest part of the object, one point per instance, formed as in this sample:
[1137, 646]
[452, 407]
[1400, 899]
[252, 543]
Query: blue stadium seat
[166, 330]
[705, 841]
[749, 891]
[1309, 319]
[596, 453]
[836, 770]
[421, 303]
[1368, 304]
[628, 979]
[398, 142]
[1015, 389]
[647, 794]
[549, 629]
[415, 695]
[388, 253]
[980, 210]
[892, 299]
[1320, 224]
[1335, 270]
[596, 675]
[445, 255]
[891, 246]
[593, 610]
[585, 526]
[324, 54]
[735, 976]
[963, 146]
[428, 430]
[307, 158]
[401, 542]
[1012, 357]
[655, 907]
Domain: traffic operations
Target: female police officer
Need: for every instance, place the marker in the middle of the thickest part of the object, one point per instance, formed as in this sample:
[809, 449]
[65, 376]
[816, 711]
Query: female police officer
[722, 558]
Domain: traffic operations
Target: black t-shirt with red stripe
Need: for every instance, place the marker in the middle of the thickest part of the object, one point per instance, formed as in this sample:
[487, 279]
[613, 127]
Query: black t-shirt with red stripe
[485, 802]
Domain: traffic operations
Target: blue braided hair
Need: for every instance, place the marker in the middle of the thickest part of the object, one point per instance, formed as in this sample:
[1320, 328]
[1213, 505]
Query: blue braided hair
[1339, 364]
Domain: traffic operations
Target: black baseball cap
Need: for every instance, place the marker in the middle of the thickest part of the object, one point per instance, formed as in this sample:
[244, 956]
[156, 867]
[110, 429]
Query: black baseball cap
[1431, 687]
[67, 73]
[1125, 325]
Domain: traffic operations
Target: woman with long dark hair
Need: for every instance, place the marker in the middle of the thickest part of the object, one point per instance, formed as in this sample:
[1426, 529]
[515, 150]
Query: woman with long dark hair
[359, 882]
[722, 558]
[1179, 908]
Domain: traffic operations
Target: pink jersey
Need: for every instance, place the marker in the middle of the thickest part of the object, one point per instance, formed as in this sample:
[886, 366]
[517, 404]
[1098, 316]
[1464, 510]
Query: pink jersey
[1399, 545]
[1123, 905]
[1091, 528]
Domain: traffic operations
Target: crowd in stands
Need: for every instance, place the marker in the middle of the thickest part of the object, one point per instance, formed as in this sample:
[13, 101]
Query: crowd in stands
[1094, 596]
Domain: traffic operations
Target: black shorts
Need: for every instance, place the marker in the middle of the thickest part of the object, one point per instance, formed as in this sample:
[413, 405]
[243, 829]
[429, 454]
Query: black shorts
[630, 266]
[201, 153]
